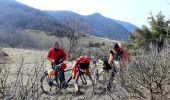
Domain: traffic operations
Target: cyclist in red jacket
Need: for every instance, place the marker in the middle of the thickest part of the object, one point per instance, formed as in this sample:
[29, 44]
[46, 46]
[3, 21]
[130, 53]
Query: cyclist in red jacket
[56, 55]
[83, 63]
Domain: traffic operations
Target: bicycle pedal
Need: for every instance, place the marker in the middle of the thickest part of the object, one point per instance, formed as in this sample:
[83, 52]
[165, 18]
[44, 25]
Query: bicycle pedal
[85, 83]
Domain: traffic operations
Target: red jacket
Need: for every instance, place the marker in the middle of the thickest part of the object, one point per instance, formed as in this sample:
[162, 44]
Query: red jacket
[76, 62]
[53, 55]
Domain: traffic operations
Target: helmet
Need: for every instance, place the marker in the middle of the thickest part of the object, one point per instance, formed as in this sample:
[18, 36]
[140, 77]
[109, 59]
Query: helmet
[115, 45]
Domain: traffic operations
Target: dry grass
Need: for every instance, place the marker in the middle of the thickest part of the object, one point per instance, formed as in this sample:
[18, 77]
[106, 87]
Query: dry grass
[46, 41]
[31, 57]
[22, 73]
[20, 76]
[44, 38]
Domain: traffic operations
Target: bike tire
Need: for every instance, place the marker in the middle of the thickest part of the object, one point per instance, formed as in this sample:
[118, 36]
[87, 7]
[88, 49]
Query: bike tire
[47, 87]
[101, 88]
[86, 85]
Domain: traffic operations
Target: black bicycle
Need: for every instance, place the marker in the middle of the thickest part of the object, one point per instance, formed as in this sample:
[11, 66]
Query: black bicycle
[51, 84]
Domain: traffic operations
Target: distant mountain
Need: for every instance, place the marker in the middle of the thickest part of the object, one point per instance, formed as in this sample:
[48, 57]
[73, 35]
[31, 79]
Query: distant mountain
[130, 27]
[106, 27]
[20, 16]
[97, 24]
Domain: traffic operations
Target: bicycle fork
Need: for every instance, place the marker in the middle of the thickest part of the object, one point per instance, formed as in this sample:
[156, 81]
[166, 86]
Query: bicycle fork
[83, 79]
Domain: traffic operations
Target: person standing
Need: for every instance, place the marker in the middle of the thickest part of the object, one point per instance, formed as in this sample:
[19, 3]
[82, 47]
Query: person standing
[56, 56]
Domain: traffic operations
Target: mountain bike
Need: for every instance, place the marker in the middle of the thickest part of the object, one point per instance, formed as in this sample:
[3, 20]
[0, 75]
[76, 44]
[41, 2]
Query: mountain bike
[51, 84]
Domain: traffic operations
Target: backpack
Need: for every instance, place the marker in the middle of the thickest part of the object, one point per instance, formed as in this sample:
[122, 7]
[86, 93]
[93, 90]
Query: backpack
[83, 65]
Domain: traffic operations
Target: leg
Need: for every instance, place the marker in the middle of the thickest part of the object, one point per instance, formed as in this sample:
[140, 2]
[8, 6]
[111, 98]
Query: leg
[108, 79]
[111, 77]
[62, 78]
[76, 83]
[76, 87]
[117, 66]
[56, 77]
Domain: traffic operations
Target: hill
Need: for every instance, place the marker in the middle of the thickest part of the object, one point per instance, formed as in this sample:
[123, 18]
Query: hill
[97, 24]
[130, 27]
[22, 26]
[19, 16]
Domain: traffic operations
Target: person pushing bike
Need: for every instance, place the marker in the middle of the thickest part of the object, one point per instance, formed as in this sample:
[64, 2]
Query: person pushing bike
[56, 56]
[83, 63]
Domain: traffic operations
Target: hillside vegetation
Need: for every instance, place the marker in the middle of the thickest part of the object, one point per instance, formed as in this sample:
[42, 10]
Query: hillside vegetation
[147, 76]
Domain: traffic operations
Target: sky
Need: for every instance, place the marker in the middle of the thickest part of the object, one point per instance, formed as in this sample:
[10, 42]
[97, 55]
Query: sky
[133, 11]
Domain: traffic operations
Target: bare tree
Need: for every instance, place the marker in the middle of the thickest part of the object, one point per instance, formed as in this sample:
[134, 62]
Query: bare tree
[148, 76]
[73, 34]
[22, 84]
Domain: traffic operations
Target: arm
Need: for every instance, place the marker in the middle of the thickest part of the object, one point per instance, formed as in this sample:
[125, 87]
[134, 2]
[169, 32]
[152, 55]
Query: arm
[64, 55]
[111, 57]
[49, 55]
[74, 67]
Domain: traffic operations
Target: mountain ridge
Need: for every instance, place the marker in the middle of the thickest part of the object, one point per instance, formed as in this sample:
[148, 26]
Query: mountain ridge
[97, 24]
[21, 16]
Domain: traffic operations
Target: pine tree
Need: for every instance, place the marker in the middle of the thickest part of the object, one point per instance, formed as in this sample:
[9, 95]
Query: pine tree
[158, 33]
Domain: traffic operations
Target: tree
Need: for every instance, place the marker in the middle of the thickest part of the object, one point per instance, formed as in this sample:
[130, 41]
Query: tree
[148, 77]
[73, 34]
[157, 34]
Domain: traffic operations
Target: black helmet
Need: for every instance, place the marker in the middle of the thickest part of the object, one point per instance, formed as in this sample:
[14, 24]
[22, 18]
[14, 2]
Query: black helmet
[115, 45]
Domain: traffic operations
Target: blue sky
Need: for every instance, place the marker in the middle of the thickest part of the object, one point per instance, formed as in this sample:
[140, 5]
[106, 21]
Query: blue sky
[133, 11]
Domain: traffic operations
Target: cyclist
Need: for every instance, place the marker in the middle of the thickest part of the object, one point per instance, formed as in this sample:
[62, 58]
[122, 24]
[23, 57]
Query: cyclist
[57, 55]
[83, 62]
[118, 56]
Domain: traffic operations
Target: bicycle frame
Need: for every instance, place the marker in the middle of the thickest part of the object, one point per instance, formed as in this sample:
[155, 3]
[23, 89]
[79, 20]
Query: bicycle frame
[80, 75]
[52, 85]
[106, 78]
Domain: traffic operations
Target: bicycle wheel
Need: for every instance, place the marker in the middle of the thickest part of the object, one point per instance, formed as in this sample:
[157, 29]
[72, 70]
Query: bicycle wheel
[94, 75]
[49, 85]
[69, 84]
[86, 85]
[104, 88]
